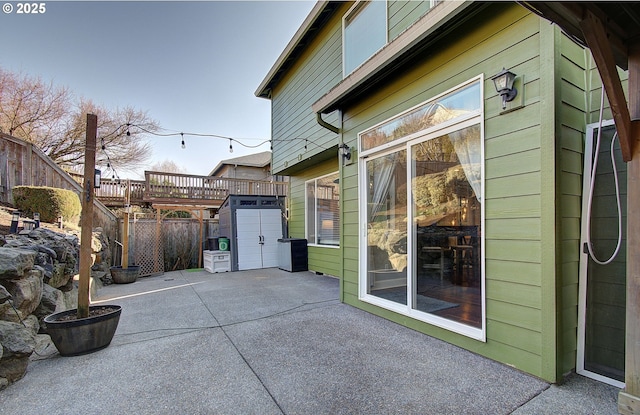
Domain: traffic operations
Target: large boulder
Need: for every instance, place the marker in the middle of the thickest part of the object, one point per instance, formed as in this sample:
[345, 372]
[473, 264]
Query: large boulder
[52, 302]
[59, 276]
[26, 293]
[15, 262]
[18, 343]
[37, 270]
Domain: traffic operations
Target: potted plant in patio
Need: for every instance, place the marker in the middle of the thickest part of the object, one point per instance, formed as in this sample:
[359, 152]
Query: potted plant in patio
[87, 328]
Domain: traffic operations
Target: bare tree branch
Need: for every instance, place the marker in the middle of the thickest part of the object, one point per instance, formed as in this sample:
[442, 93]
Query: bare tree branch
[53, 120]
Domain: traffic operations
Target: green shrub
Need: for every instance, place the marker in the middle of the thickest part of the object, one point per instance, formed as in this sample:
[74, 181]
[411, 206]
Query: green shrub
[50, 202]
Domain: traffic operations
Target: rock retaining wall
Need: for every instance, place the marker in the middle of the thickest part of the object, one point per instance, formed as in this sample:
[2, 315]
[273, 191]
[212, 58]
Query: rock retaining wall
[38, 271]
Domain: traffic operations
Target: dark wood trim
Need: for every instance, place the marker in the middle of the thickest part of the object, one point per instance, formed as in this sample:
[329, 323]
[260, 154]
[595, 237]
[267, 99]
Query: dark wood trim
[596, 37]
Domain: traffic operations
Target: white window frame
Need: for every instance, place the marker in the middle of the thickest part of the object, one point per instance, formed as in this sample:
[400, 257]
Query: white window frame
[353, 11]
[406, 143]
[306, 213]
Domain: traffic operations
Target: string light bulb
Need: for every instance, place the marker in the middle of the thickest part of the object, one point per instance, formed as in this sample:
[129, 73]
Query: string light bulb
[128, 132]
[183, 144]
[230, 146]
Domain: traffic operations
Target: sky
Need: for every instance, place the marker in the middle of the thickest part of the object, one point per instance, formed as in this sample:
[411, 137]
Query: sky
[193, 66]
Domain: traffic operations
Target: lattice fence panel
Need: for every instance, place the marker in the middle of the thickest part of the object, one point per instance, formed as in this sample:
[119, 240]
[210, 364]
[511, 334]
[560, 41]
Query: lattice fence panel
[149, 247]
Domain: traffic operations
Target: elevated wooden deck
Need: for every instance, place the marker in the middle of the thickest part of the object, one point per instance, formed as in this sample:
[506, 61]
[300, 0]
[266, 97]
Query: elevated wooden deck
[160, 188]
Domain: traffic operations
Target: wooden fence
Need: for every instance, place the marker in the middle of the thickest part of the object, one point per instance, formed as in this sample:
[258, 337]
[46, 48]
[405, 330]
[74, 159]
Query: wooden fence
[179, 246]
[23, 164]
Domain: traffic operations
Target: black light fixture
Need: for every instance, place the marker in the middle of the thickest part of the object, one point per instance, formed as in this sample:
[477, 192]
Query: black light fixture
[15, 218]
[96, 179]
[345, 151]
[36, 219]
[503, 82]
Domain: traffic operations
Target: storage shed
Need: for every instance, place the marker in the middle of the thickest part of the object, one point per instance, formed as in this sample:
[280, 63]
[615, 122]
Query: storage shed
[253, 224]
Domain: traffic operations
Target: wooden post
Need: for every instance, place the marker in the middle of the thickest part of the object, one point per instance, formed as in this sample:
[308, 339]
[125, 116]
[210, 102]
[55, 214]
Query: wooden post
[200, 216]
[629, 397]
[156, 267]
[86, 221]
[125, 228]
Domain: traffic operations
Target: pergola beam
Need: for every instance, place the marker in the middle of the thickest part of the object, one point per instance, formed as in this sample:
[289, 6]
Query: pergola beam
[596, 37]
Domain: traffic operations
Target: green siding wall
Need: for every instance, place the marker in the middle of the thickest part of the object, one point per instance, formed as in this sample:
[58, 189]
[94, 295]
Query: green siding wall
[402, 14]
[294, 125]
[321, 259]
[519, 192]
[533, 168]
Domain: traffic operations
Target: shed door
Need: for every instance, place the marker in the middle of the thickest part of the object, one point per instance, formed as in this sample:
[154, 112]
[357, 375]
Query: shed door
[271, 228]
[602, 308]
[258, 232]
[248, 239]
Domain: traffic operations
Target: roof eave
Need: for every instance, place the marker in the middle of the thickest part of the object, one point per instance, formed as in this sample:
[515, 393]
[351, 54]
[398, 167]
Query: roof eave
[264, 89]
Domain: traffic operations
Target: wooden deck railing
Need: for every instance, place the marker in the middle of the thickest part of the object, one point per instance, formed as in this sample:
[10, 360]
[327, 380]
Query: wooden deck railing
[186, 189]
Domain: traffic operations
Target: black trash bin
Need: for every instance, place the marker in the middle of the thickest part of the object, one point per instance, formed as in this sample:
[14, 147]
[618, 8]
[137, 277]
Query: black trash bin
[213, 244]
[292, 254]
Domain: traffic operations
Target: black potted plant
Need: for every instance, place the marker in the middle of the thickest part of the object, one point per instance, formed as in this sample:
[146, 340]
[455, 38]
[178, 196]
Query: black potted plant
[87, 328]
[125, 273]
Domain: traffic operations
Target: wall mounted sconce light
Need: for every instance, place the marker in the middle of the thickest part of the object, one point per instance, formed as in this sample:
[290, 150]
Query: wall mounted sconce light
[15, 217]
[96, 179]
[345, 151]
[503, 82]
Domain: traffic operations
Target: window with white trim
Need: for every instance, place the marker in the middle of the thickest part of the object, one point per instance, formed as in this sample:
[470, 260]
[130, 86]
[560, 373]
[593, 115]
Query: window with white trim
[364, 33]
[323, 211]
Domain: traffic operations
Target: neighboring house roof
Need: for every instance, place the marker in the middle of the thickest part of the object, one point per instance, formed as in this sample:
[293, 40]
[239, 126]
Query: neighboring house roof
[251, 160]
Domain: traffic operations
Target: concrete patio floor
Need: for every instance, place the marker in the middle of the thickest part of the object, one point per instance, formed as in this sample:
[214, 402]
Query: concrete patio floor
[273, 342]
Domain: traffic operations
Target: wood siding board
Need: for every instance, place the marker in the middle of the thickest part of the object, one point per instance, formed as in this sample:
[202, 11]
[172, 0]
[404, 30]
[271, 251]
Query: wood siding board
[573, 97]
[403, 14]
[514, 272]
[515, 141]
[514, 250]
[515, 336]
[514, 229]
[572, 161]
[571, 205]
[571, 272]
[500, 125]
[515, 293]
[573, 72]
[527, 206]
[512, 186]
[570, 230]
[515, 315]
[515, 163]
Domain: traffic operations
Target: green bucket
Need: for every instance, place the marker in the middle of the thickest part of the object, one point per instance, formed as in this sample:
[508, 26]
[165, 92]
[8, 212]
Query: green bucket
[223, 244]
